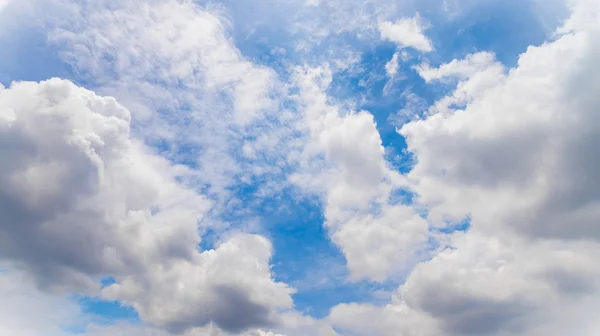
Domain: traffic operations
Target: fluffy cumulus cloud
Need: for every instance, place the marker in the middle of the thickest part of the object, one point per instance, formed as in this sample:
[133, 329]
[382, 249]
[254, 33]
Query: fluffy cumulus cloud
[79, 197]
[488, 286]
[82, 200]
[517, 156]
[230, 286]
[516, 159]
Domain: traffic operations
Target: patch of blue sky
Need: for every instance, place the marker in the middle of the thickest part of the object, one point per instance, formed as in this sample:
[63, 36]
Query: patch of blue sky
[26, 56]
[107, 281]
[303, 255]
[401, 196]
[266, 45]
[505, 28]
[455, 226]
[366, 87]
[95, 310]
[318, 301]
[306, 259]
[106, 311]
[101, 312]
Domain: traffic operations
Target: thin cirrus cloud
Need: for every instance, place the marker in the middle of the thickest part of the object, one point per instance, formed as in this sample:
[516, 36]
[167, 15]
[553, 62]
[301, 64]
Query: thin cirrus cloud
[164, 135]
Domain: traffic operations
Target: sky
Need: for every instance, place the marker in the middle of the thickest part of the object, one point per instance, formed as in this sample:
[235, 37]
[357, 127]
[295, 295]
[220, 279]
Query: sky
[299, 167]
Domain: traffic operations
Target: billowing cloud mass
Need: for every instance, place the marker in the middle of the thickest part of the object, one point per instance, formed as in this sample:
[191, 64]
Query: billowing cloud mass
[81, 200]
[517, 160]
[197, 161]
[79, 197]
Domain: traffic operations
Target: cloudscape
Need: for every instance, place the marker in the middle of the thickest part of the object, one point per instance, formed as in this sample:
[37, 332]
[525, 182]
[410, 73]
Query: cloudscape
[299, 167]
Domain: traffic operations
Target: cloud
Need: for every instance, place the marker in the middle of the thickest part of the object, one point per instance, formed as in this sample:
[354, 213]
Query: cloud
[82, 200]
[230, 286]
[191, 92]
[391, 67]
[26, 311]
[80, 189]
[518, 154]
[460, 69]
[407, 33]
[487, 286]
[392, 319]
[293, 325]
[343, 160]
[516, 159]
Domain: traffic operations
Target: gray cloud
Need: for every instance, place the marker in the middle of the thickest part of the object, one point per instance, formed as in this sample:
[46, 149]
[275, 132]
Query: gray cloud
[519, 158]
[80, 199]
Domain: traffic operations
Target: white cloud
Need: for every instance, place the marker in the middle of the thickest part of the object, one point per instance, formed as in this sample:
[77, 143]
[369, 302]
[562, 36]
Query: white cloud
[390, 320]
[174, 65]
[487, 286]
[461, 69]
[391, 67]
[90, 202]
[234, 280]
[517, 159]
[27, 311]
[407, 33]
[70, 161]
[474, 76]
[518, 154]
[491, 286]
[293, 325]
[344, 161]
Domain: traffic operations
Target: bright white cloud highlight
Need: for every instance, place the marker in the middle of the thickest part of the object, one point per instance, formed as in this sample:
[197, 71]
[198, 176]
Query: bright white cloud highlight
[407, 33]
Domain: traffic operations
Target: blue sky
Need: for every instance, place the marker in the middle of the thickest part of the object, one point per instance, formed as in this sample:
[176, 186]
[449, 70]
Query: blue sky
[277, 175]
